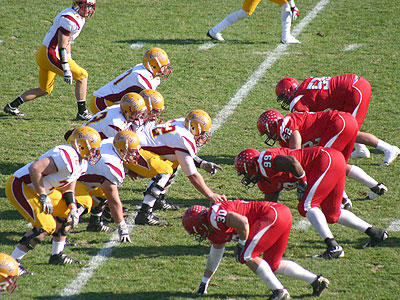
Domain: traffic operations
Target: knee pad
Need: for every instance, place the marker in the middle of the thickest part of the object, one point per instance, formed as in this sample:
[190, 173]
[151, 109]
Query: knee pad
[62, 231]
[34, 236]
[155, 189]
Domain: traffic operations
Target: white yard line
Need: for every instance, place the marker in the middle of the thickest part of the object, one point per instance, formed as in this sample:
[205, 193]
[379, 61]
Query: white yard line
[207, 45]
[137, 45]
[394, 226]
[76, 285]
[352, 47]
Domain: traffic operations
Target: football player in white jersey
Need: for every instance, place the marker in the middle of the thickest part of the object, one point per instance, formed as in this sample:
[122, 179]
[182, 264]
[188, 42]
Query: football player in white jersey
[104, 178]
[289, 11]
[143, 76]
[54, 58]
[175, 141]
[43, 192]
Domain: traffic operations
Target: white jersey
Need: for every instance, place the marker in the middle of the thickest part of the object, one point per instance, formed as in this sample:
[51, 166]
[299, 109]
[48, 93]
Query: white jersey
[68, 164]
[109, 167]
[134, 80]
[67, 20]
[109, 122]
[164, 139]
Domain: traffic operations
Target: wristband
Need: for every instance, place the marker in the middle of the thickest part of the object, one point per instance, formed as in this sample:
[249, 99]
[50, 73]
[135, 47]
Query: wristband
[42, 197]
[69, 198]
[197, 161]
[301, 176]
[242, 242]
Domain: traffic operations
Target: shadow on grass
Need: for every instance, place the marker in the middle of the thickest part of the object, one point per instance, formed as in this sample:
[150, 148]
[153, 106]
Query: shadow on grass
[154, 295]
[8, 168]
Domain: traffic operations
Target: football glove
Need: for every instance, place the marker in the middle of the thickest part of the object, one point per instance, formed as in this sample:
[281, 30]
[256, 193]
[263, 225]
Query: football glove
[124, 234]
[47, 206]
[295, 12]
[202, 289]
[210, 167]
[74, 214]
[238, 252]
[301, 190]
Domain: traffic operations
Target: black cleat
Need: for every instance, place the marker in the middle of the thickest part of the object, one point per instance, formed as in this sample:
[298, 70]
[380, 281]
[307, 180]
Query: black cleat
[377, 191]
[161, 204]
[281, 294]
[346, 204]
[377, 235]
[333, 252]
[146, 217]
[85, 116]
[319, 285]
[8, 109]
[99, 227]
[62, 259]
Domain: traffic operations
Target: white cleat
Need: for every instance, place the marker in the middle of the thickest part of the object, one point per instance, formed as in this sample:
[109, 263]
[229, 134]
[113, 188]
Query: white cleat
[362, 153]
[215, 36]
[391, 155]
[290, 40]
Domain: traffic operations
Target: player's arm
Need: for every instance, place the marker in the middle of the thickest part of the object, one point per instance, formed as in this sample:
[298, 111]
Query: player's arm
[188, 166]
[288, 163]
[38, 170]
[114, 202]
[213, 260]
[64, 49]
[240, 223]
[295, 140]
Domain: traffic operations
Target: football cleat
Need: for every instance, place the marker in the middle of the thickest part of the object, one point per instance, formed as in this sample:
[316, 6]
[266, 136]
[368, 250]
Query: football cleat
[107, 214]
[146, 217]
[346, 204]
[290, 40]
[361, 153]
[333, 252]
[376, 191]
[391, 155]
[22, 271]
[377, 235]
[319, 285]
[13, 111]
[215, 36]
[98, 226]
[85, 116]
[62, 259]
[161, 204]
[281, 294]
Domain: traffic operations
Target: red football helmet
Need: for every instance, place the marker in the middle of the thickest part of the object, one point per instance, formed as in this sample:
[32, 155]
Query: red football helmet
[285, 90]
[246, 165]
[267, 124]
[85, 8]
[195, 222]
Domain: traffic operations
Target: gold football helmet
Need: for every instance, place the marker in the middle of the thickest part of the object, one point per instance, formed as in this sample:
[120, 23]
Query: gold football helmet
[133, 108]
[156, 61]
[154, 103]
[126, 144]
[86, 141]
[199, 124]
[8, 273]
[85, 8]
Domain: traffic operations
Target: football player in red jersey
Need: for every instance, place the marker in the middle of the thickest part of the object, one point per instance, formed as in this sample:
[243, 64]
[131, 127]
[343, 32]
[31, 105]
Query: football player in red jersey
[54, 58]
[289, 12]
[319, 175]
[262, 228]
[350, 93]
[334, 129]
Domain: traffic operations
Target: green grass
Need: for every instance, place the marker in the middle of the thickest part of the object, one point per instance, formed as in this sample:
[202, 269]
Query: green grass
[165, 263]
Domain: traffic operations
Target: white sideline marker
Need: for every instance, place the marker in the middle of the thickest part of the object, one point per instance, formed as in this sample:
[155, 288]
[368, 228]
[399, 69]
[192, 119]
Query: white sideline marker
[207, 45]
[137, 45]
[79, 282]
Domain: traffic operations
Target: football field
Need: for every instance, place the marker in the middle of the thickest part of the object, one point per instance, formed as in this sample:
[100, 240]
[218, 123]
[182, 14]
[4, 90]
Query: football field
[234, 82]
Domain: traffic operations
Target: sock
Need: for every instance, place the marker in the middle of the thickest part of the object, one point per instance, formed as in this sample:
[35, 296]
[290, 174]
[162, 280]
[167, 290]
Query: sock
[230, 20]
[360, 147]
[17, 102]
[18, 254]
[286, 21]
[383, 146]
[359, 174]
[331, 243]
[318, 220]
[265, 273]
[81, 106]
[293, 269]
[57, 247]
[348, 219]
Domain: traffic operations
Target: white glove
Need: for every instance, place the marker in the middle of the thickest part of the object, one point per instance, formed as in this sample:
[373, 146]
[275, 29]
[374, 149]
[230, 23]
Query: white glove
[67, 74]
[295, 12]
[210, 167]
[74, 214]
[47, 206]
[124, 234]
